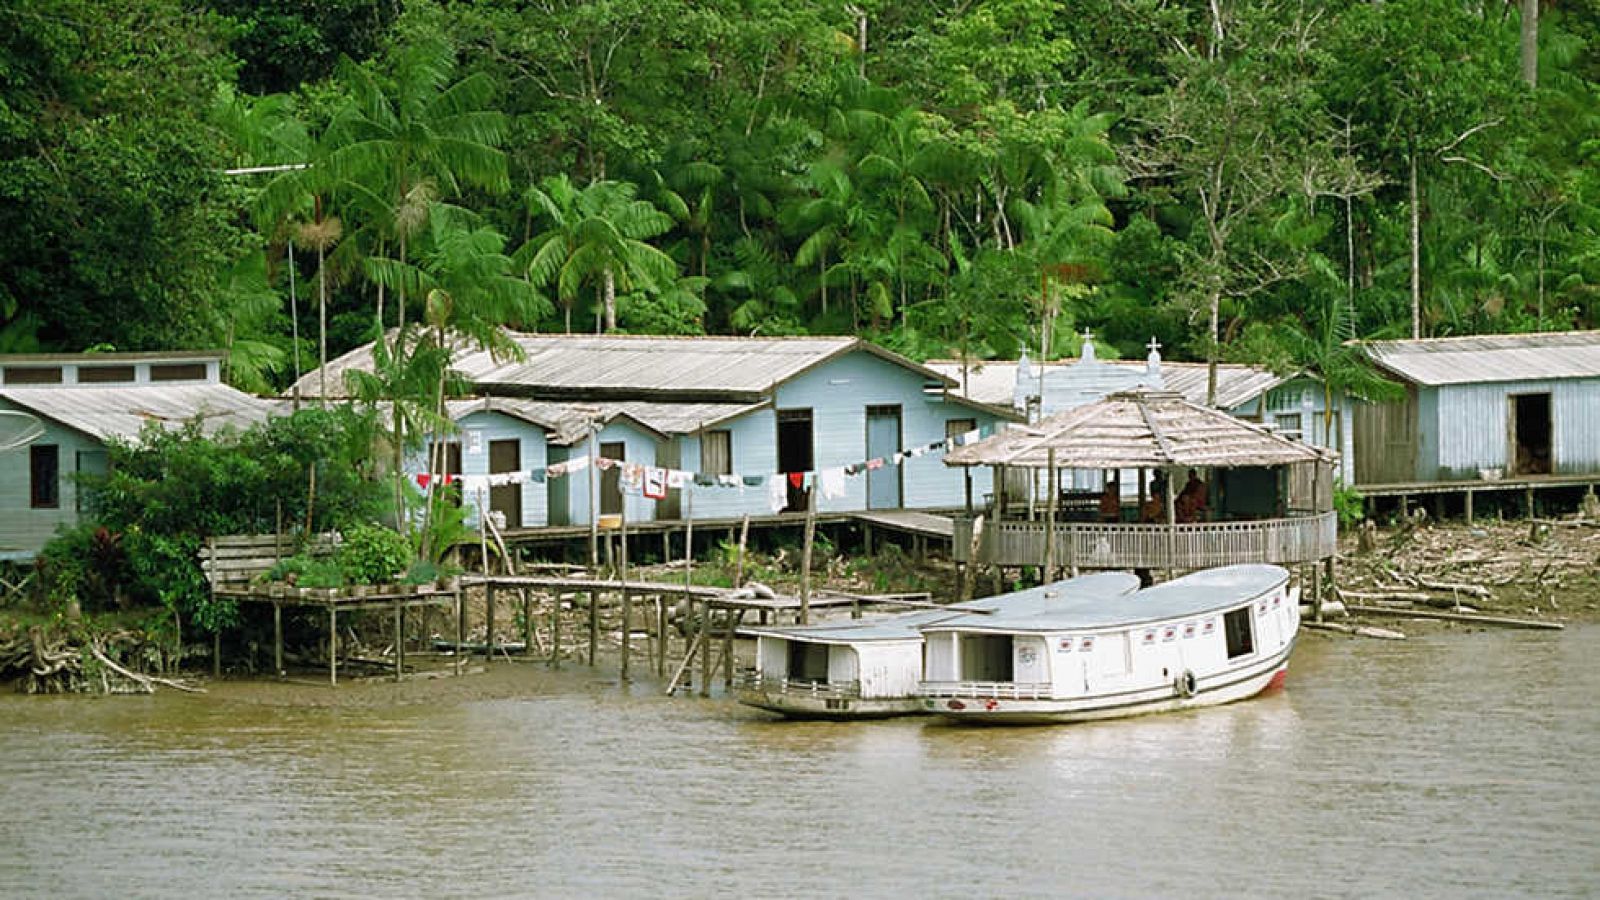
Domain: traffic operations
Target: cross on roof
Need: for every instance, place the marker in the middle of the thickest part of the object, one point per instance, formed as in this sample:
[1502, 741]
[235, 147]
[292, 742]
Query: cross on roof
[1154, 345]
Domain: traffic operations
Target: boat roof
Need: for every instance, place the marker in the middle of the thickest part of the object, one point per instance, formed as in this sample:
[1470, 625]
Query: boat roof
[1196, 594]
[908, 626]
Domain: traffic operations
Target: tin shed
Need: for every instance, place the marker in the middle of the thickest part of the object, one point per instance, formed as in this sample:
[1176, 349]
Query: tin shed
[1483, 408]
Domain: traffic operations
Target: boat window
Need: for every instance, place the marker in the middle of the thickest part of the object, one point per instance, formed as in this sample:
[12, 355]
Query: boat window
[808, 662]
[1237, 627]
[986, 657]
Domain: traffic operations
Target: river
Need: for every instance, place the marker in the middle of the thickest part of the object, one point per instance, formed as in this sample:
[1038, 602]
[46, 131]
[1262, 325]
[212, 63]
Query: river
[1453, 764]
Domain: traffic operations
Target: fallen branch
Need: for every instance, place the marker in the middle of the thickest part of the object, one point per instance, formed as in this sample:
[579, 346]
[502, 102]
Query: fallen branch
[147, 681]
[1502, 621]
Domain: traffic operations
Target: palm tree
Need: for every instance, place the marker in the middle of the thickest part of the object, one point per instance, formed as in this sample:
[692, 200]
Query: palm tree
[472, 291]
[595, 234]
[399, 146]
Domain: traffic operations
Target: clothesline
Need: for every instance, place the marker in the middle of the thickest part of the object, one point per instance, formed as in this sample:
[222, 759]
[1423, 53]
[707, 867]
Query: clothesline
[653, 482]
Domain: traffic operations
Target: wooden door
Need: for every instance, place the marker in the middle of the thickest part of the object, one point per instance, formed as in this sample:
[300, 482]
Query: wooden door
[506, 499]
[883, 442]
[611, 479]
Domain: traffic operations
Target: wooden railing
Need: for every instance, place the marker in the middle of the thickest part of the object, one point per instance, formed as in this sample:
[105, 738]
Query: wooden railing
[1088, 545]
[988, 690]
[752, 680]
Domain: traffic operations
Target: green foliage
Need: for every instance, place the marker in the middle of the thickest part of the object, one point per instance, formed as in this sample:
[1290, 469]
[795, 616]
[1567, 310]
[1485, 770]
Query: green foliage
[372, 554]
[166, 493]
[1349, 504]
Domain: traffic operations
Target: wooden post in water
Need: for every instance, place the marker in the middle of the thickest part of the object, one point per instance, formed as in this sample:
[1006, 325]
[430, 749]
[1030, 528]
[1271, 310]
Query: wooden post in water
[400, 639]
[1469, 507]
[461, 630]
[277, 638]
[705, 648]
[555, 630]
[528, 630]
[594, 624]
[688, 563]
[488, 586]
[627, 598]
[727, 650]
[333, 646]
[1316, 570]
[399, 672]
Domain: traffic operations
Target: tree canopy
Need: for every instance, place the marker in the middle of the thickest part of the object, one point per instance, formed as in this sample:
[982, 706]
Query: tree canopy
[1254, 181]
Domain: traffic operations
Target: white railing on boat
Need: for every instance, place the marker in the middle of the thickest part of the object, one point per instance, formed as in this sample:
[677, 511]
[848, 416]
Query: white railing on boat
[988, 690]
[1093, 545]
[751, 680]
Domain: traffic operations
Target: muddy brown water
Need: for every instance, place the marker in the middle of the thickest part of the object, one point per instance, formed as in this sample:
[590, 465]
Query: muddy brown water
[1453, 764]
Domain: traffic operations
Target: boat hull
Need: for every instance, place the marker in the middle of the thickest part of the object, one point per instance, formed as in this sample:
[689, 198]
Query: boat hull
[804, 706]
[1218, 688]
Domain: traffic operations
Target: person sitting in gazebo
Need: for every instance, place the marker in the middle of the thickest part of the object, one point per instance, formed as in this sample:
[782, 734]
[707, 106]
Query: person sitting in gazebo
[1111, 502]
[1154, 509]
[1191, 503]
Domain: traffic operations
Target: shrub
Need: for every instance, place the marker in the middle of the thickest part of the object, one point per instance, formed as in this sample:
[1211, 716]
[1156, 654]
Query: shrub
[1349, 504]
[372, 554]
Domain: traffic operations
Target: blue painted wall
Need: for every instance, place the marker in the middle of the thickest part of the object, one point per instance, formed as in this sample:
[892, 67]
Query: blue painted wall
[23, 529]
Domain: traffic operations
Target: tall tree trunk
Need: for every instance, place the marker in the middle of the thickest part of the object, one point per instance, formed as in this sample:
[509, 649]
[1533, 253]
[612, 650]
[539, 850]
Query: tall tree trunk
[1350, 254]
[608, 286]
[1530, 42]
[1416, 251]
[1214, 346]
[322, 324]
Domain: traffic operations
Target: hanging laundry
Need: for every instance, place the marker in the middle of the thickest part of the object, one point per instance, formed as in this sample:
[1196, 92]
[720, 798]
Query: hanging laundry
[655, 483]
[749, 480]
[538, 476]
[577, 464]
[678, 479]
[423, 480]
[777, 493]
[632, 480]
[605, 463]
[831, 483]
[855, 468]
[874, 464]
[703, 480]
[797, 480]
[733, 481]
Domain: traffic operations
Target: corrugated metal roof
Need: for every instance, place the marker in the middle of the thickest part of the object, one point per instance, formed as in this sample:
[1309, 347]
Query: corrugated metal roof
[625, 362]
[993, 381]
[615, 364]
[122, 411]
[1137, 430]
[1490, 357]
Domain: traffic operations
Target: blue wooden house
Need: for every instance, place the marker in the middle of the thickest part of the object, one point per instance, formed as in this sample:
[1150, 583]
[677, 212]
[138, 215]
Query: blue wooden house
[85, 400]
[730, 416]
[1483, 409]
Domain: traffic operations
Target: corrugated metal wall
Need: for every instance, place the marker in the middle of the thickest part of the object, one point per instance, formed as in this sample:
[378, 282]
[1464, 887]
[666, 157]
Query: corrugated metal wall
[1472, 427]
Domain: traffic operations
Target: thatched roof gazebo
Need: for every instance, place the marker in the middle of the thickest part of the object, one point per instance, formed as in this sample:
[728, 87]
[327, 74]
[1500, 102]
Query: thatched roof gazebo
[1269, 498]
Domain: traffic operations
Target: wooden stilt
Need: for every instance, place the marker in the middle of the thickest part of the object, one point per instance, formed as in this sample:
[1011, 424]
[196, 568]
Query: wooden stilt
[400, 638]
[333, 646]
[399, 670]
[744, 538]
[216, 653]
[529, 632]
[461, 631]
[594, 625]
[727, 650]
[1469, 507]
[705, 649]
[627, 630]
[1528, 501]
[488, 622]
[805, 556]
[661, 636]
[1048, 564]
[555, 631]
[277, 638]
[1316, 592]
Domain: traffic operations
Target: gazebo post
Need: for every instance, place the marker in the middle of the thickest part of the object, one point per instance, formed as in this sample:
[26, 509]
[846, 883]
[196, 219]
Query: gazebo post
[1049, 517]
[1172, 522]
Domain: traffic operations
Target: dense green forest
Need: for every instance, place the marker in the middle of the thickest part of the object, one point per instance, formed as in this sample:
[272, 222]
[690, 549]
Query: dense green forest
[1262, 180]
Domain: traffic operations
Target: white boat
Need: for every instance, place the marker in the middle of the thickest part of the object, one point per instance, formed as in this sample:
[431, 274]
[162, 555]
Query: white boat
[1211, 637]
[862, 669]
